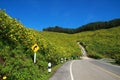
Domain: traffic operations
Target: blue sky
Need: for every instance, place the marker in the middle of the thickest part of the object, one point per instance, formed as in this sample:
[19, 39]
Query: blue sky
[39, 14]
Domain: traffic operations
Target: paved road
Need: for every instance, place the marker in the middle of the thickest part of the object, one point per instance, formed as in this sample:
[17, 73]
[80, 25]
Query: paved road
[94, 70]
[87, 69]
[63, 73]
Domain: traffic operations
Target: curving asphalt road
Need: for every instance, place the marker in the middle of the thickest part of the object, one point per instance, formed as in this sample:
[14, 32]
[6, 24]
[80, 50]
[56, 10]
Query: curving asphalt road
[87, 69]
[94, 70]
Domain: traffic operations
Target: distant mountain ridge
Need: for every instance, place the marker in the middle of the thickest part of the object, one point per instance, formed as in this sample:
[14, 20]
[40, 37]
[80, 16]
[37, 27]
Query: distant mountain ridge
[88, 27]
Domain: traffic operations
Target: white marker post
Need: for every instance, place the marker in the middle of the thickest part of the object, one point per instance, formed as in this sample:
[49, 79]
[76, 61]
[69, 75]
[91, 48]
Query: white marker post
[34, 57]
[49, 67]
[61, 60]
[65, 59]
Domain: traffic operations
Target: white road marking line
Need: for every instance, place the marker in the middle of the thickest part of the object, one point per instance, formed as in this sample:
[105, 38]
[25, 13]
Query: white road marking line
[72, 78]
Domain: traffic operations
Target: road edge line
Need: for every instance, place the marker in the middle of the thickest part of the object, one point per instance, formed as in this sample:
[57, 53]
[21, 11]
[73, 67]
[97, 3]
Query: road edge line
[71, 71]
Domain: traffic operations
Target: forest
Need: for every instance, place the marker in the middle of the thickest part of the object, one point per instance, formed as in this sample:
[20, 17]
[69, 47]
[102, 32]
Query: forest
[88, 27]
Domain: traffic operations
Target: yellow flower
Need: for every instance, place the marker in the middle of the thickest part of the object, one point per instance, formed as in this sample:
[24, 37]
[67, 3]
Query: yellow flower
[4, 77]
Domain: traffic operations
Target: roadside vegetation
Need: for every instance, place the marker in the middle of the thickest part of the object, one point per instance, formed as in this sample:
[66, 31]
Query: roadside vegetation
[16, 55]
[101, 43]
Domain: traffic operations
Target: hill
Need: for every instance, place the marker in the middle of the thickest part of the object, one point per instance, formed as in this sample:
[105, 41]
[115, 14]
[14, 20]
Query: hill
[102, 43]
[88, 27]
[16, 56]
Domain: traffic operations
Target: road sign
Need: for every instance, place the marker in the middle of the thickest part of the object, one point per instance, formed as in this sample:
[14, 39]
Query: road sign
[35, 48]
